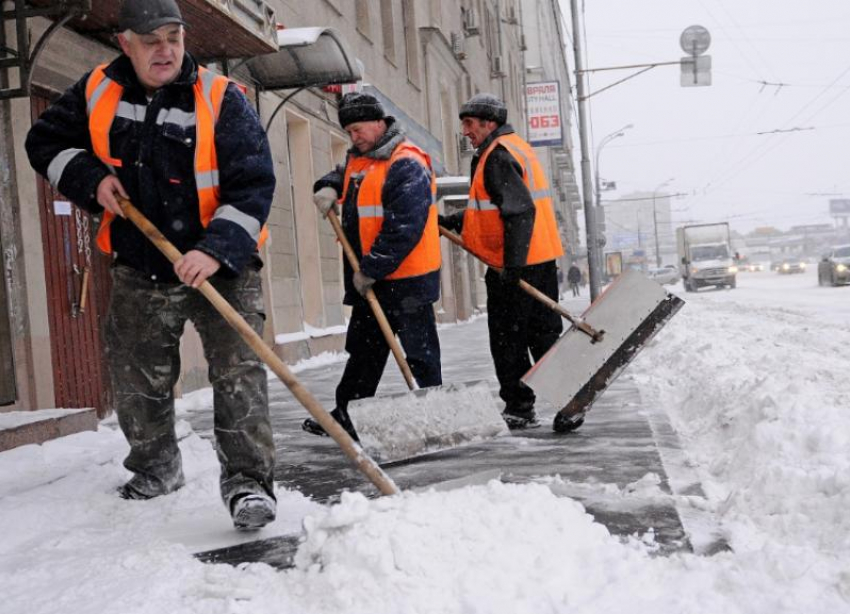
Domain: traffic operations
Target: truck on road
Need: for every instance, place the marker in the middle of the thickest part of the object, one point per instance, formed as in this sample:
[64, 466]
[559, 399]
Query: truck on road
[706, 256]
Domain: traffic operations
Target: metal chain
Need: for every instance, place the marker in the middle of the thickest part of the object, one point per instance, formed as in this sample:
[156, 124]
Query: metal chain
[83, 235]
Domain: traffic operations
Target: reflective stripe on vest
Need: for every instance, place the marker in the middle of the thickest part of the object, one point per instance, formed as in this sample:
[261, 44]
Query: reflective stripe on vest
[483, 229]
[103, 98]
[371, 175]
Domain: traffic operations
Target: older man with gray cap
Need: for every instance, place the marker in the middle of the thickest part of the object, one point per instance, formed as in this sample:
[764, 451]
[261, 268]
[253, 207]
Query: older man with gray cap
[187, 148]
[510, 224]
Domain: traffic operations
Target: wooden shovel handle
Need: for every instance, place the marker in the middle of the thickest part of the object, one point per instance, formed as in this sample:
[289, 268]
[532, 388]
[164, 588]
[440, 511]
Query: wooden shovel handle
[380, 316]
[84, 292]
[595, 335]
[364, 463]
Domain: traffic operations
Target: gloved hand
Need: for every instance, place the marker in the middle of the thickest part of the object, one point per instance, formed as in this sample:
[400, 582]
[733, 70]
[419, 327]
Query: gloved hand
[510, 275]
[453, 222]
[324, 199]
[362, 283]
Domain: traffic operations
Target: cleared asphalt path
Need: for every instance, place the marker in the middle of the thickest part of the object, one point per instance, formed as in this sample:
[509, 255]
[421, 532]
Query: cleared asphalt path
[624, 464]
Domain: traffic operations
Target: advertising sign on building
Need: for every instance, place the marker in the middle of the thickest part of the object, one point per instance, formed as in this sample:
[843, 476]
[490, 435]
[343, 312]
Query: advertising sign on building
[543, 101]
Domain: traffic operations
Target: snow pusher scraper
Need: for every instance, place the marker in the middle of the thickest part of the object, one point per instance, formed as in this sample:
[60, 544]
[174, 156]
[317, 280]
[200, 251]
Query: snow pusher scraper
[425, 420]
[598, 346]
[573, 373]
[367, 466]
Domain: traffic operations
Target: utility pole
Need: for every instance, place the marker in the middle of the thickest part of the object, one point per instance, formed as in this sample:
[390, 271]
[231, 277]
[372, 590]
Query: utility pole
[593, 246]
[655, 220]
[655, 228]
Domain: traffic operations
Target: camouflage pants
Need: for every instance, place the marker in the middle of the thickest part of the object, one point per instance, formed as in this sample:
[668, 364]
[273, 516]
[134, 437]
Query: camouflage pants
[143, 330]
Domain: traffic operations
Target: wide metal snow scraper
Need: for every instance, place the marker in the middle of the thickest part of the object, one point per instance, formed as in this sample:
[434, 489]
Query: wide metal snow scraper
[598, 346]
[573, 373]
[425, 420]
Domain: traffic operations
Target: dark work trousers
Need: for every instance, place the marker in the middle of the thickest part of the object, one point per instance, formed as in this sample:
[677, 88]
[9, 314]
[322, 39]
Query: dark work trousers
[519, 325]
[143, 330]
[368, 351]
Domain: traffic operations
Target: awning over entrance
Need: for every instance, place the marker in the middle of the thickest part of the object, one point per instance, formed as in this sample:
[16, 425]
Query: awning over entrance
[307, 57]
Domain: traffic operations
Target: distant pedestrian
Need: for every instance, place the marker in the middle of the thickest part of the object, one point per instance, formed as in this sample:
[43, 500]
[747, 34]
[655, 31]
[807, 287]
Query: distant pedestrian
[574, 279]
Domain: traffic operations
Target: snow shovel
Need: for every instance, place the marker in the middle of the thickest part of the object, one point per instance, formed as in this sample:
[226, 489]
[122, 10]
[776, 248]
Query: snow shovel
[584, 361]
[351, 449]
[573, 373]
[423, 421]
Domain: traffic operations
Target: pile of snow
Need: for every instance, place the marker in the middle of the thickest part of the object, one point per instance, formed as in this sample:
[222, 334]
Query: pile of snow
[759, 396]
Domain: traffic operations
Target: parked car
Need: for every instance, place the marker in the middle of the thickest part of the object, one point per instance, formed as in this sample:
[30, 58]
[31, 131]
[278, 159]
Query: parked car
[834, 268]
[789, 266]
[665, 275]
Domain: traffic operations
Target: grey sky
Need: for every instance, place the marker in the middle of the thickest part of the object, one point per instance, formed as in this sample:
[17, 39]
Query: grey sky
[706, 137]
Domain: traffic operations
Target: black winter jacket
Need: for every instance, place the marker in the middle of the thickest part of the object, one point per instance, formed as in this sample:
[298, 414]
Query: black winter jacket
[503, 182]
[157, 154]
[406, 199]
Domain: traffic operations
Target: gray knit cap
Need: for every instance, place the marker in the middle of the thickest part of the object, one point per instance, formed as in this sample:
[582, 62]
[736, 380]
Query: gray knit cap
[485, 106]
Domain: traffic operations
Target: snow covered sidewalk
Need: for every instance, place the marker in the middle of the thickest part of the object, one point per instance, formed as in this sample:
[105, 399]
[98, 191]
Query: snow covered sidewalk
[762, 414]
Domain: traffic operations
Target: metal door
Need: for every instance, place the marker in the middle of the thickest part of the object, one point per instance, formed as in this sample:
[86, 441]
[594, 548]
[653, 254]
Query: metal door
[78, 282]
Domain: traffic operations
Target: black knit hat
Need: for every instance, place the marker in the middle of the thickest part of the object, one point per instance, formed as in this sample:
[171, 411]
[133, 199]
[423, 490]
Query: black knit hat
[485, 106]
[145, 16]
[359, 107]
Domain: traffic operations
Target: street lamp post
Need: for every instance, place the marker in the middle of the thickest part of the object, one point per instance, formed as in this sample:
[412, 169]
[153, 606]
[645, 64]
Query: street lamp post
[614, 135]
[655, 221]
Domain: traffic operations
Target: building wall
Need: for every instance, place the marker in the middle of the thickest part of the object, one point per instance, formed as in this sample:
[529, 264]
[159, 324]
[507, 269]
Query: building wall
[546, 60]
[631, 223]
[417, 55]
[62, 62]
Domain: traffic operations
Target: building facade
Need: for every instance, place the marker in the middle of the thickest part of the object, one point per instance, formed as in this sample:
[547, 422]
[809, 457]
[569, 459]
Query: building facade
[422, 59]
[640, 227]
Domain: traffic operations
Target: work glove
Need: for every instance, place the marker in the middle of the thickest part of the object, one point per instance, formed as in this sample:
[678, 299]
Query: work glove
[324, 199]
[362, 283]
[453, 222]
[510, 275]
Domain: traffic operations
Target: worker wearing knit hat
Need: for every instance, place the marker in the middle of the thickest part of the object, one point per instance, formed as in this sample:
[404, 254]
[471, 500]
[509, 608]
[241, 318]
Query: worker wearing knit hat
[485, 106]
[359, 107]
[510, 224]
[387, 190]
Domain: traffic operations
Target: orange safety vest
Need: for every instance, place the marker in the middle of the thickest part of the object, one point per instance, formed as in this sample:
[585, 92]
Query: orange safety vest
[103, 96]
[483, 228]
[425, 257]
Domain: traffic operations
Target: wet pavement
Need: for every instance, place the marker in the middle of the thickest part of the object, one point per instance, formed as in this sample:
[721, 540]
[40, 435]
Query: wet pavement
[624, 464]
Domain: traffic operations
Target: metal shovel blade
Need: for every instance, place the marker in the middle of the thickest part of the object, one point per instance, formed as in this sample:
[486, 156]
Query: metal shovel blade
[403, 426]
[574, 372]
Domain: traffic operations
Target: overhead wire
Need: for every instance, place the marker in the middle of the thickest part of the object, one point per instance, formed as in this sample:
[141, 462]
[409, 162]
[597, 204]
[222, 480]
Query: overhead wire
[773, 141]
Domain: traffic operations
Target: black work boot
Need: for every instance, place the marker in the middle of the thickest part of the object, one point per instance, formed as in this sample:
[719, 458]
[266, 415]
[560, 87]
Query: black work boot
[252, 511]
[340, 415]
[142, 487]
[520, 416]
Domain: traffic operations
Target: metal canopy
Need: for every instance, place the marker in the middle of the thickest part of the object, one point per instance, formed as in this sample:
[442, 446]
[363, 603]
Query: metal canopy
[307, 57]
